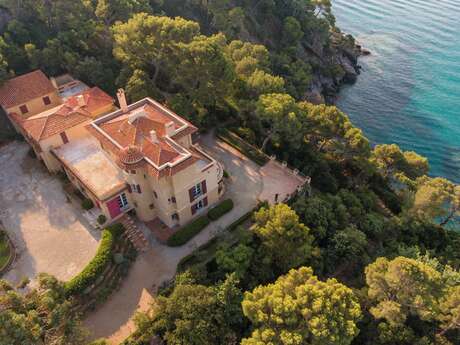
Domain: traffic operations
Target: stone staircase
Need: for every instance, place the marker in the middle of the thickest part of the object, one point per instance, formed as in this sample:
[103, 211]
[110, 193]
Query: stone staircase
[133, 233]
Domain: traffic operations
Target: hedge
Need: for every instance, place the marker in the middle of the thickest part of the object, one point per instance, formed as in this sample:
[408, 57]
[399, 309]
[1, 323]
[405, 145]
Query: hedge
[183, 235]
[253, 153]
[221, 209]
[97, 265]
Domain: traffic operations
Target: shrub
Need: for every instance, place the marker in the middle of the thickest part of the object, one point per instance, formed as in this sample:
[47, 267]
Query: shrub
[226, 174]
[23, 283]
[101, 219]
[183, 235]
[87, 204]
[221, 209]
[96, 267]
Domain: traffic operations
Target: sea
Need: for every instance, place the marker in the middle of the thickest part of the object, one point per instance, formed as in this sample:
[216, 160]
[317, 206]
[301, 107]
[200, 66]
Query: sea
[409, 90]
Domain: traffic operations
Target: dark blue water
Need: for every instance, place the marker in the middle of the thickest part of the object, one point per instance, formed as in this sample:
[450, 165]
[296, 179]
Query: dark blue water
[409, 91]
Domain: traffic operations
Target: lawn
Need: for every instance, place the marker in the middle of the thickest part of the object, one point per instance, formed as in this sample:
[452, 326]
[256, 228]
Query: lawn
[5, 252]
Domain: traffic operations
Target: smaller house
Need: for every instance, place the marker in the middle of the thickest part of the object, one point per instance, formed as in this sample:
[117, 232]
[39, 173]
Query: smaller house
[63, 123]
[28, 94]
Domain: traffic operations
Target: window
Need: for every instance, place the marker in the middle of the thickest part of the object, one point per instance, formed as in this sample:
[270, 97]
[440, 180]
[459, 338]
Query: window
[122, 201]
[173, 199]
[133, 172]
[23, 109]
[64, 138]
[151, 206]
[198, 190]
[155, 194]
[136, 188]
[199, 205]
[46, 100]
[175, 216]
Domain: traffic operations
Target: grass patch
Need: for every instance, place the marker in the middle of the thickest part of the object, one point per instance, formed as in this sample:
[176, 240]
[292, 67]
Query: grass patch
[189, 231]
[5, 250]
[218, 211]
[78, 284]
[253, 153]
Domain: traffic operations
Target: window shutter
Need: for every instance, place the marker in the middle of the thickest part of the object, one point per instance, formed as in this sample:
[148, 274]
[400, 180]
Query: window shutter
[129, 188]
[190, 193]
[205, 202]
[193, 209]
[203, 187]
[64, 138]
[139, 189]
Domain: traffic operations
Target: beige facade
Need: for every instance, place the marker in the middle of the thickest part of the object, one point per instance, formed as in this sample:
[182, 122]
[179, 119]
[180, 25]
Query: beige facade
[168, 198]
[37, 105]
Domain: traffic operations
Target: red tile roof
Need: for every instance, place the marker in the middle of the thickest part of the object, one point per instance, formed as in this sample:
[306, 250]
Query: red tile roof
[64, 116]
[24, 88]
[131, 131]
[93, 99]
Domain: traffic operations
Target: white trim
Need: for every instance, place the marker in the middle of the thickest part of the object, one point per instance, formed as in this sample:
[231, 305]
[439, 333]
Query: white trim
[119, 112]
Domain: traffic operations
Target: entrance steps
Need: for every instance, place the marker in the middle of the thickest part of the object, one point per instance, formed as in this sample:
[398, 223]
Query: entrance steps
[133, 233]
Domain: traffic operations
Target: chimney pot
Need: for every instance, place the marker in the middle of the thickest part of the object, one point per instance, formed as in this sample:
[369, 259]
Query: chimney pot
[153, 136]
[122, 100]
[81, 101]
[170, 129]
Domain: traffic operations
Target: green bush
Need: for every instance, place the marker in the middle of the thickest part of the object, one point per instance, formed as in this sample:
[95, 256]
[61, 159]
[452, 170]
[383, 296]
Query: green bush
[221, 209]
[183, 235]
[94, 269]
[87, 204]
[101, 219]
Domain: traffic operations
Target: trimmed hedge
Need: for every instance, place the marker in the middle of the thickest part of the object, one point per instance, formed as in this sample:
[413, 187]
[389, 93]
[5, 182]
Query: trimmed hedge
[221, 209]
[253, 153]
[183, 235]
[94, 269]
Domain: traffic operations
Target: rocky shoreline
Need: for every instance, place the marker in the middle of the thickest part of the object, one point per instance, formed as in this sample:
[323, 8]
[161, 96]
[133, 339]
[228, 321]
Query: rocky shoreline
[324, 89]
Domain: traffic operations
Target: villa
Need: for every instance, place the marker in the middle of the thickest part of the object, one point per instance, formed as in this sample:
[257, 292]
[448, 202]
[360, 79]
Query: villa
[141, 157]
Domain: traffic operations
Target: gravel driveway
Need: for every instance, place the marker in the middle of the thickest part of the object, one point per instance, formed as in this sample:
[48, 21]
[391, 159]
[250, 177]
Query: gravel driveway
[49, 233]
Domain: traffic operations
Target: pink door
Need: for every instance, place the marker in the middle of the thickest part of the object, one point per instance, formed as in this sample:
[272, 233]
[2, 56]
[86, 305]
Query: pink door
[114, 207]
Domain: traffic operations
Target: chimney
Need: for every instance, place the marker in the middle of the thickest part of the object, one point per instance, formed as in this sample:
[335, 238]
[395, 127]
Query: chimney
[81, 101]
[122, 100]
[153, 136]
[170, 128]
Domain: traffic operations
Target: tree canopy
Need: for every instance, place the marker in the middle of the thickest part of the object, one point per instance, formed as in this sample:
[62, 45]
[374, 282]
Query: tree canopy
[300, 309]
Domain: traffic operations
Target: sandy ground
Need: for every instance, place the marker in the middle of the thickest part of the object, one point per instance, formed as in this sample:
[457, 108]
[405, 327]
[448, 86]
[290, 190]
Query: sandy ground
[49, 233]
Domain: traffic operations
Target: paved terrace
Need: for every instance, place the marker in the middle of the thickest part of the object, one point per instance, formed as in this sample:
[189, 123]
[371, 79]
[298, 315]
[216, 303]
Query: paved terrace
[248, 182]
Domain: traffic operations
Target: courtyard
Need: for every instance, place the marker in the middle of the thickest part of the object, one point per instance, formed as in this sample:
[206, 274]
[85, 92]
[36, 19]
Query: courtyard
[48, 232]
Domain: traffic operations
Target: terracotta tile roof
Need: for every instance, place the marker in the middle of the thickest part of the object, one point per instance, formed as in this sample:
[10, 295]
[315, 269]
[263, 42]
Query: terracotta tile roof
[52, 122]
[64, 116]
[24, 88]
[93, 99]
[133, 129]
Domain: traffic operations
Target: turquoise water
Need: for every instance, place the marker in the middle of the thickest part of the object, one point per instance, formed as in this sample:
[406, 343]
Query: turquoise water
[409, 89]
